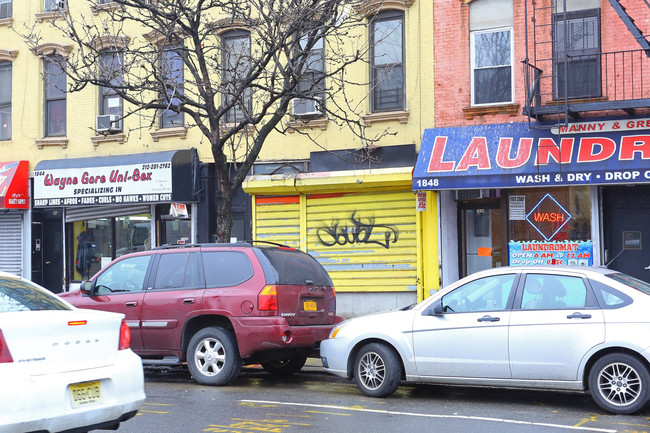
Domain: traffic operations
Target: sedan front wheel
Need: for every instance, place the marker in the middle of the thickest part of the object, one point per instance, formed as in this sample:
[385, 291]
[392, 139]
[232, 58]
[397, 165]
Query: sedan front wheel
[619, 383]
[377, 370]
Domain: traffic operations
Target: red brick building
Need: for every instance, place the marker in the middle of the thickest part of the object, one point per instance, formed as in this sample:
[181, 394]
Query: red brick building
[541, 151]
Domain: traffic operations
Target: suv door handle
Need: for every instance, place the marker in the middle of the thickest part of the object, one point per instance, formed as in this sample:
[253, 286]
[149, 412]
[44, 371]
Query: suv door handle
[131, 304]
[487, 318]
[577, 315]
[188, 301]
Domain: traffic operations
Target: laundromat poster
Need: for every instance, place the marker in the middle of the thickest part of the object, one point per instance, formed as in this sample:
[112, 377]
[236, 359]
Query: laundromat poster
[572, 253]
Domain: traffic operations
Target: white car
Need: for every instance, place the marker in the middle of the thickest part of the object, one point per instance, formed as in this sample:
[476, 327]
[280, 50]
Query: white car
[573, 329]
[63, 368]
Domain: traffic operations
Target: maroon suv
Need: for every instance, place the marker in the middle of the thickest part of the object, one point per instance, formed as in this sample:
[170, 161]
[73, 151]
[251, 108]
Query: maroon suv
[218, 306]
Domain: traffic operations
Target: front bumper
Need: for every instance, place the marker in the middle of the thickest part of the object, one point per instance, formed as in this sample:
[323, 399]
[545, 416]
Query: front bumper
[334, 354]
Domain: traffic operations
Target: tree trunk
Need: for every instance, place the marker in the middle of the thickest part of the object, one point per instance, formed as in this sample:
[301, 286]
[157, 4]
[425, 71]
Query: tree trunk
[224, 201]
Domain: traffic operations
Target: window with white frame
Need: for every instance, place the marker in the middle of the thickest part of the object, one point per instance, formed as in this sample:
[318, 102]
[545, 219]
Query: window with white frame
[491, 62]
[110, 102]
[236, 45]
[5, 9]
[311, 85]
[387, 61]
[55, 96]
[5, 100]
[53, 5]
[171, 72]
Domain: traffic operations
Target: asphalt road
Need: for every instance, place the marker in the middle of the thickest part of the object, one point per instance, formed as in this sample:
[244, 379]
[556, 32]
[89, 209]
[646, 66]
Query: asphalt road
[312, 401]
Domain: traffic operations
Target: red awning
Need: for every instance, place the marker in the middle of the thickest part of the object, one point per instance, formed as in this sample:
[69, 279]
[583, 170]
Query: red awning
[14, 177]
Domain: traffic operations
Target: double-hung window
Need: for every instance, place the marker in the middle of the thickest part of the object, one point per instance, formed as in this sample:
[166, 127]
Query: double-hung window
[5, 100]
[171, 73]
[311, 84]
[491, 61]
[55, 96]
[236, 45]
[110, 102]
[576, 54]
[5, 9]
[387, 61]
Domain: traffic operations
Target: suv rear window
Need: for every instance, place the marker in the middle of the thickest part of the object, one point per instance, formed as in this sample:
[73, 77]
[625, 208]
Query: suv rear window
[226, 268]
[293, 267]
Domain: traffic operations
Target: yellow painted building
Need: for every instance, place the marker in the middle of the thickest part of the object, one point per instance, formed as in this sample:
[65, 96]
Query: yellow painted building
[304, 191]
[360, 220]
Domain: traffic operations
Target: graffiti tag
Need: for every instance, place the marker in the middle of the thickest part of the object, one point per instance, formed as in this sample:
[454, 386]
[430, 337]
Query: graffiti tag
[359, 232]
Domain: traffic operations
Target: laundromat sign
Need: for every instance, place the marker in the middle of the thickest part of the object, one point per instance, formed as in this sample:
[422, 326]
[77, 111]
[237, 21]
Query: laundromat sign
[514, 155]
[125, 184]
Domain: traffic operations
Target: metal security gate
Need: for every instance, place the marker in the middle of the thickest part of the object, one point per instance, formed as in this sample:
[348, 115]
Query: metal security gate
[277, 219]
[366, 241]
[11, 242]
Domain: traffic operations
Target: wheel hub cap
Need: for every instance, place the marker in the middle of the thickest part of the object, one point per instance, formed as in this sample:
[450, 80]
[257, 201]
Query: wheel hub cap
[619, 384]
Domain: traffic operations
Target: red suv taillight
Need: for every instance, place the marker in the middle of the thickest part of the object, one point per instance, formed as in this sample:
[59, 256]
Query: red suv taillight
[5, 355]
[267, 300]
[125, 336]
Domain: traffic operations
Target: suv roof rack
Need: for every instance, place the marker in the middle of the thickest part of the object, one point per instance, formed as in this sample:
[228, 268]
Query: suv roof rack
[247, 243]
[276, 244]
[214, 244]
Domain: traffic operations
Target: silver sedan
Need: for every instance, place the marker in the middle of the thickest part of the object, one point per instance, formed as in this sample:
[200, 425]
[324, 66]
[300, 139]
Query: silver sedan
[559, 328]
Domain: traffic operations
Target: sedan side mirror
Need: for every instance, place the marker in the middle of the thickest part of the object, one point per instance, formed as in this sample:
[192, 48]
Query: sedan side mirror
[86, 287]
[434, 309]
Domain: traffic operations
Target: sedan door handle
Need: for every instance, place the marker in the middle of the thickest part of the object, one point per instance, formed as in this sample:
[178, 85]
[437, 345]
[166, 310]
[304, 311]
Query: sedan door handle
[577, 315]
[188, 301]
[489, 319]
[131, 304]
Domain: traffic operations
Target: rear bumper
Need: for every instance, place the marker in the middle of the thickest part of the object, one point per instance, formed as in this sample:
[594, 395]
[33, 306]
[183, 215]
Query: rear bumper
[44, 402]
[260, 334]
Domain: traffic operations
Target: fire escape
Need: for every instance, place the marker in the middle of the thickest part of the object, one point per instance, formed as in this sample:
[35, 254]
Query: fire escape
[570, 71]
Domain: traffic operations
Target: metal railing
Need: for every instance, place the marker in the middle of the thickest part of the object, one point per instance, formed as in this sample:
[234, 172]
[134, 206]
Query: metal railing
[594, 82]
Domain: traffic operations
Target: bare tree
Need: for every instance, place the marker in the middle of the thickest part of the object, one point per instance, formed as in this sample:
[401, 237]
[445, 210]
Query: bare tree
[231, 67]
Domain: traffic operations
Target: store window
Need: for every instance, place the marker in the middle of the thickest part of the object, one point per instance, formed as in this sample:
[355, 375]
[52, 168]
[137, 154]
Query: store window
[98, 241]
[550, 226]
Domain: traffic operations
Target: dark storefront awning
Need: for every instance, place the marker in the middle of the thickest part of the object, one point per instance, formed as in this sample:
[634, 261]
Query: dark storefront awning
[156, 177]
[512, 155]
[14, 178]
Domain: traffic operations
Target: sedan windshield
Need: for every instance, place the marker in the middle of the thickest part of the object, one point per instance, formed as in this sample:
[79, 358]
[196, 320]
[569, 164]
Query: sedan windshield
[18, 295]
[631, 281]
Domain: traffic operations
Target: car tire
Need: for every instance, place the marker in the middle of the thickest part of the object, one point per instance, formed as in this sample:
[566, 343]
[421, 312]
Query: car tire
[619, 383]
[377, 370]
[213, 356]
[284, 367]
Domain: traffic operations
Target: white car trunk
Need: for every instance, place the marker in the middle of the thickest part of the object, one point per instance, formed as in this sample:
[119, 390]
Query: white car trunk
[47, 342]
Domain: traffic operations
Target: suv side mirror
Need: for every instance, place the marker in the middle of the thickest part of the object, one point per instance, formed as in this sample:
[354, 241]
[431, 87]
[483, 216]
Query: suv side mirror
[86, 287]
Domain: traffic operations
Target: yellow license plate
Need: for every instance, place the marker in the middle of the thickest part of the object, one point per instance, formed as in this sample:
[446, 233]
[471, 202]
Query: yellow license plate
[309, 306]
[85, 393]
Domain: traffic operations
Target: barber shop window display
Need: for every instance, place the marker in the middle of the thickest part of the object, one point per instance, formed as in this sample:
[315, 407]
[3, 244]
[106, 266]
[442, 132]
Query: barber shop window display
[550, 226]
[98, 241]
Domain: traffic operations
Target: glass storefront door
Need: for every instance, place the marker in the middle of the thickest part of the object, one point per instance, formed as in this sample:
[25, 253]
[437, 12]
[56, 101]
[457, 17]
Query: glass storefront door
[481, 235]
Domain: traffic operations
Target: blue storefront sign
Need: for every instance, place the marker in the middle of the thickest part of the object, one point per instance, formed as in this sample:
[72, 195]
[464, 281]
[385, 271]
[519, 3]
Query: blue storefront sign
[571, 253]
[513, 155]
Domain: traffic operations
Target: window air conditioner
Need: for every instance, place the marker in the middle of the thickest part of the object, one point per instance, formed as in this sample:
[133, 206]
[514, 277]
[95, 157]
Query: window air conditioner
[60, 4]
[109, 123]
[307, 107]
